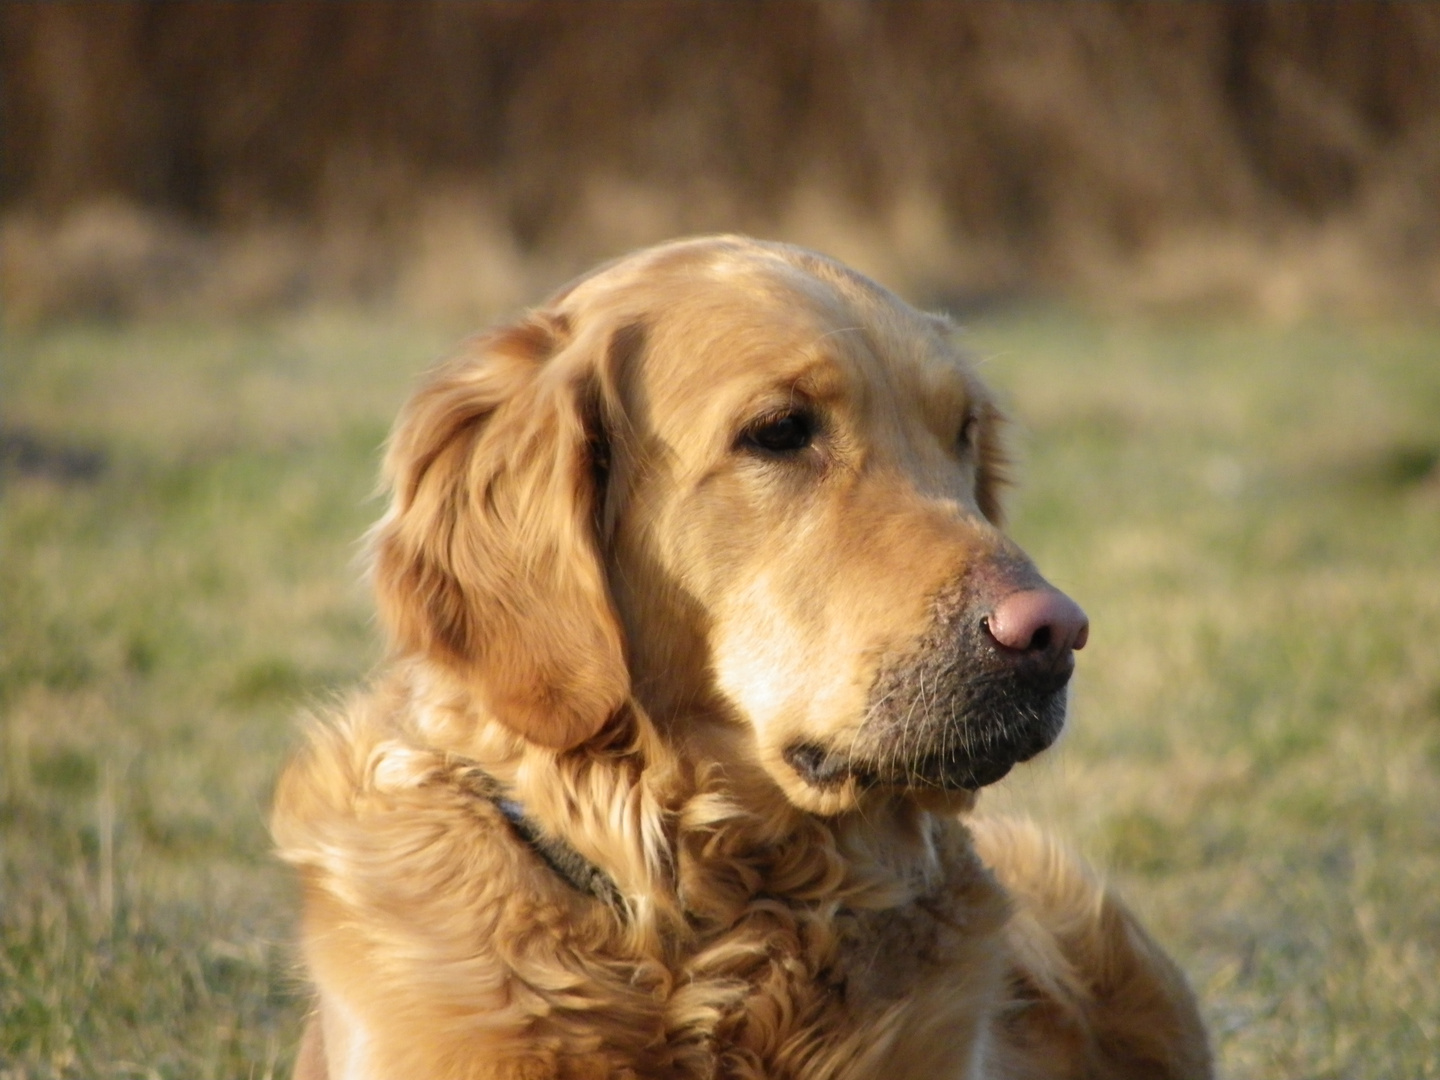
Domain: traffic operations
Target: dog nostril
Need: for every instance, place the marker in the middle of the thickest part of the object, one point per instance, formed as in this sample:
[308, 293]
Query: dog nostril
[1037, 621]
[1039, 641]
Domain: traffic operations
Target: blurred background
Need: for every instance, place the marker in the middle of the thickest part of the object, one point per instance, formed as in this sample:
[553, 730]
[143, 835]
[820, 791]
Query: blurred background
[1277, 157]
[1195, 246]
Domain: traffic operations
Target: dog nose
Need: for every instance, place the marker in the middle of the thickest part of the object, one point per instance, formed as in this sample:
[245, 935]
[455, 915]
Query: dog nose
[1038, 621]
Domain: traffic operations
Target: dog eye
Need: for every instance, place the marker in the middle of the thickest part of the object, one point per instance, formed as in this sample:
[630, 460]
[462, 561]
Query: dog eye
[969, 431]
[783, 434]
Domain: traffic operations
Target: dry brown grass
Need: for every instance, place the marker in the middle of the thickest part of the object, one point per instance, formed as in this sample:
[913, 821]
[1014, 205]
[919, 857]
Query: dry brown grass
[1274, 157]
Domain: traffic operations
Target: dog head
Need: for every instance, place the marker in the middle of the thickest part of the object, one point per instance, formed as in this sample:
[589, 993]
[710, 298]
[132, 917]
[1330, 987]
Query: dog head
[748, 490]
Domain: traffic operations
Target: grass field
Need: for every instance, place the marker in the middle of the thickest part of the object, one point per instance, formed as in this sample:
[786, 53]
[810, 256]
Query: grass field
[1250, 516]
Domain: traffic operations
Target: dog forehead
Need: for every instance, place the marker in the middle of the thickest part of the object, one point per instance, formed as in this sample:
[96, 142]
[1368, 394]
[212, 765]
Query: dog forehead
[735, 328]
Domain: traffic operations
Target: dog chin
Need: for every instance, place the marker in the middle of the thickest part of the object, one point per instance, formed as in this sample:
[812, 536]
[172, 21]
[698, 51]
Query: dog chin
[961, 756]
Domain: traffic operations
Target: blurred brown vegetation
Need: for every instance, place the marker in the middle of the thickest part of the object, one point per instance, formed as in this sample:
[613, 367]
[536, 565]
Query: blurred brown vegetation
[459, 157]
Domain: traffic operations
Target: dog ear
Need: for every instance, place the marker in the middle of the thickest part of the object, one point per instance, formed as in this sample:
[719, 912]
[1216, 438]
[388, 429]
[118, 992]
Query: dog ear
[488, 561]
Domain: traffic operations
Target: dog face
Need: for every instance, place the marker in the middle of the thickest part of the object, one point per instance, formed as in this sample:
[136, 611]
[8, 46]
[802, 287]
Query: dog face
[752, 492]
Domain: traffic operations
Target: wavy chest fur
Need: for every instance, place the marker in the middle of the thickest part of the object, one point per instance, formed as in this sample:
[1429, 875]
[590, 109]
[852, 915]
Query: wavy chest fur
[798, 955]
[822, 986]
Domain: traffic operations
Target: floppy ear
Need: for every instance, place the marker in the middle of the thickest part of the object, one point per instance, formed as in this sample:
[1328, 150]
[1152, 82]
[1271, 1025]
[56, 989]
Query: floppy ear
[488, 562]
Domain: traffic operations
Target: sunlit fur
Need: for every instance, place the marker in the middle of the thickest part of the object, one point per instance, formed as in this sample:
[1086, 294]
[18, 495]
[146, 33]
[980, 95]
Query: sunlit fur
[599, 595]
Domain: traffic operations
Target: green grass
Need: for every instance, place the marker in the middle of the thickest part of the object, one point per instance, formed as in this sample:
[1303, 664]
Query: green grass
[1250, 516]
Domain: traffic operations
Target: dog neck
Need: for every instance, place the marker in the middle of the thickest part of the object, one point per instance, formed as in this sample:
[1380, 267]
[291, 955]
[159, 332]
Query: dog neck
[698, 844]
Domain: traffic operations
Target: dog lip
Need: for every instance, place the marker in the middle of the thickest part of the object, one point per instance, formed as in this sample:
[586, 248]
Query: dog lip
[817, 766]
[1047, 674]
[984, 773]
[827, 769]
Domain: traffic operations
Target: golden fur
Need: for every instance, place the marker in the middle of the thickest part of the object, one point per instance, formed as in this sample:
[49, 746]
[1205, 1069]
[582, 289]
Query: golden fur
[607, 594]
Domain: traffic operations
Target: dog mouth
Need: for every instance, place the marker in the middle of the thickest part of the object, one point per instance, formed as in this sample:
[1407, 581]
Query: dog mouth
[965, 706]
[965, 752]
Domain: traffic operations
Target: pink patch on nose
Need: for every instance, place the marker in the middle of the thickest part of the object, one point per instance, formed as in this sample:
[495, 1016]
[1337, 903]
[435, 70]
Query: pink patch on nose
[1039, 620]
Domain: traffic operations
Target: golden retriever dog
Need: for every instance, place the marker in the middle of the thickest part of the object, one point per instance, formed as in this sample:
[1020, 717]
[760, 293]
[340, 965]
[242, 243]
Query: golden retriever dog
[704, 636]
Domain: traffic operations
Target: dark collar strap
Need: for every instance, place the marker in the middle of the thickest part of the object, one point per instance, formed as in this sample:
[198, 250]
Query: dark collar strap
[572, 867]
